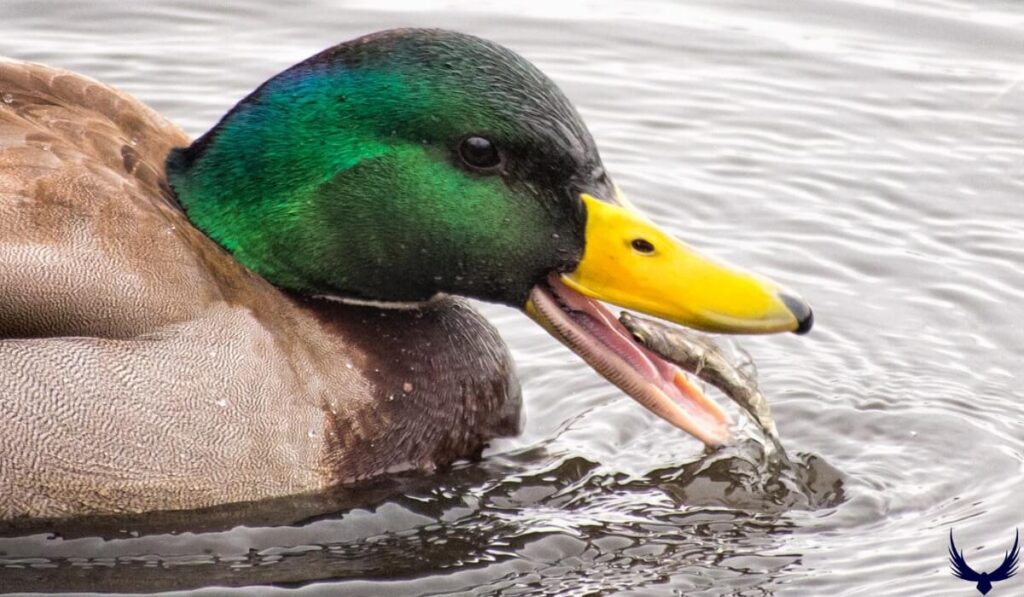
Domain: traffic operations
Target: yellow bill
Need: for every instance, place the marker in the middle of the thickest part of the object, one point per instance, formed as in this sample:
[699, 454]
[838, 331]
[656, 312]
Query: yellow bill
[629, 262]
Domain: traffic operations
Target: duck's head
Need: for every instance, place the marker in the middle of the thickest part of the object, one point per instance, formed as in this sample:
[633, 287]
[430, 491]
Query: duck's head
[412, 163]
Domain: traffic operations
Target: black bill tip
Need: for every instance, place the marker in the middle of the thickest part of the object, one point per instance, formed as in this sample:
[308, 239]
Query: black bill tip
[800, 310]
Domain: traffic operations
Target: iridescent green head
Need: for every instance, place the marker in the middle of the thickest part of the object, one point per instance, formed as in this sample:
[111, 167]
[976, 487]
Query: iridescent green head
[415, 162]
[397, 166]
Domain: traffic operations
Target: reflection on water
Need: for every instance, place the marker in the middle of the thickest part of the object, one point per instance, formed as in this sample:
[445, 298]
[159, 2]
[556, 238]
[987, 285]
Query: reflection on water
[865, 155]
[566, 517]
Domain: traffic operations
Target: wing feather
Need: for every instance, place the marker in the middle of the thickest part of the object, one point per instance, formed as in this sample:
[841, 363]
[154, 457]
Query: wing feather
[91, 242]
[959, 564]
[1009, 566]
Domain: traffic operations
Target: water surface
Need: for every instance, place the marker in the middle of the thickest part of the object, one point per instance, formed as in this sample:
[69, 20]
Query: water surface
[870, 156]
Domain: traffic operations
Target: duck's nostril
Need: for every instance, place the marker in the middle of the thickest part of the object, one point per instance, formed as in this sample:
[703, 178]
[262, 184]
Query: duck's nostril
[800, 310]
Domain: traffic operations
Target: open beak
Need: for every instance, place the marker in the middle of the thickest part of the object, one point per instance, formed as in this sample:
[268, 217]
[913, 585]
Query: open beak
[629, 262]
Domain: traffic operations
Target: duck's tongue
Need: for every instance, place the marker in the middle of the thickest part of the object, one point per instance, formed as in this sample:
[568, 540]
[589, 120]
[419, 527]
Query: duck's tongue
[591, 331]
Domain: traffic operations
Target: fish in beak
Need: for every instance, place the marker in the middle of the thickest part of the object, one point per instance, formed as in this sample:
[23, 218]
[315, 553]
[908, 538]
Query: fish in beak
[629, 262]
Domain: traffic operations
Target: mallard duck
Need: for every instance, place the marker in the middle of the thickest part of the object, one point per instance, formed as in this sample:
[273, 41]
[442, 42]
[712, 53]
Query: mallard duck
[278, 307]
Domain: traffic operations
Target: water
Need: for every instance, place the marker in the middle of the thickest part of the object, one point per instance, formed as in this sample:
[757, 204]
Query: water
[867, 155]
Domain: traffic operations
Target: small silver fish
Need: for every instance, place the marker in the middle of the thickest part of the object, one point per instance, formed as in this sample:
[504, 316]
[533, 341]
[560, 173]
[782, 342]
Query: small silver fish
[701, 356]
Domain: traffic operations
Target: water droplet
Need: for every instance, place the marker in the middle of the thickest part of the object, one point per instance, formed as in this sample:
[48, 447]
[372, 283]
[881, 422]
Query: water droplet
[222, 403]
[555, 235]
[348, 365]
[7, 97]
[437, 278]
[407, 387]
[311, 434]
[46, 147]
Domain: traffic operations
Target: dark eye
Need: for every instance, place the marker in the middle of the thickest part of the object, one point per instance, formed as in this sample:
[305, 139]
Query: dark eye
[642, 245]
[479, 153]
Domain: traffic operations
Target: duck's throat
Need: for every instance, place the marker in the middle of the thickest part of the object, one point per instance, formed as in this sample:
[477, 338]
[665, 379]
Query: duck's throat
[441, 380]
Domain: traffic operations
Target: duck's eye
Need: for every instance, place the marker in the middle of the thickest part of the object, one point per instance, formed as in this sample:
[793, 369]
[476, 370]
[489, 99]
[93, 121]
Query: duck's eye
[642, 245]
[479, 153]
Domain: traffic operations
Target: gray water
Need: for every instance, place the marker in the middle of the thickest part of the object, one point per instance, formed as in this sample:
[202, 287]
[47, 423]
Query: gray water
[870, 156]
